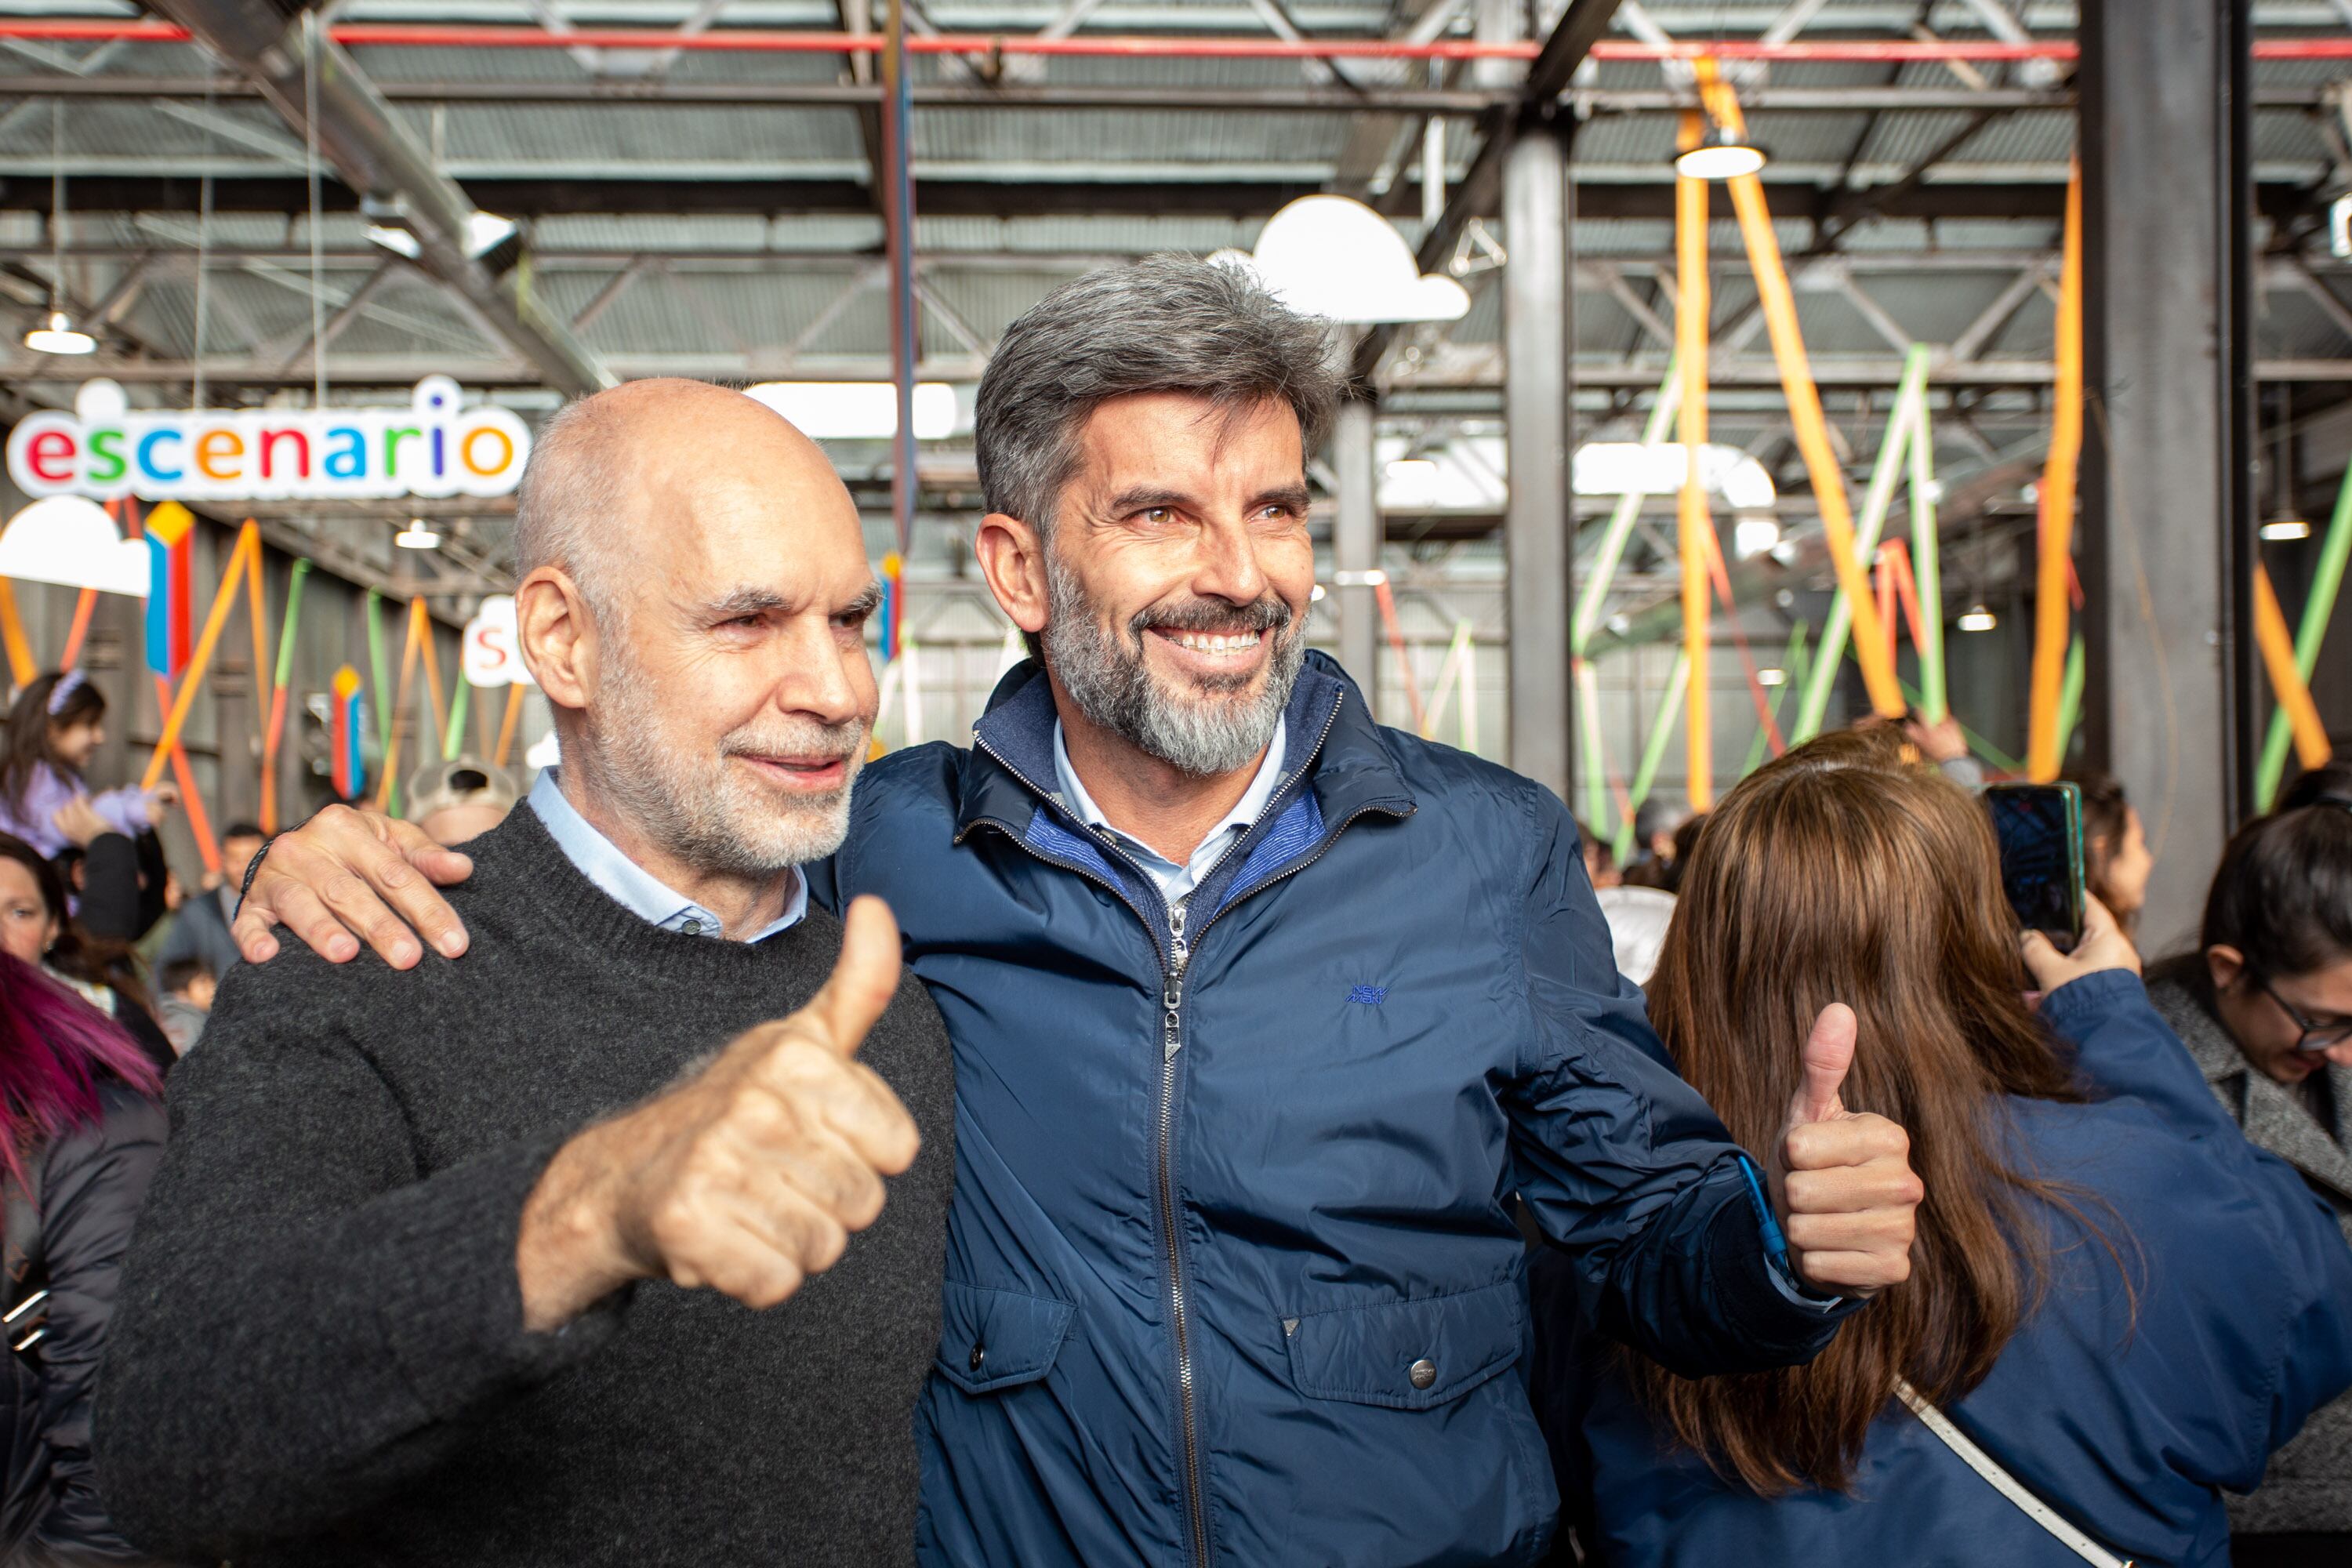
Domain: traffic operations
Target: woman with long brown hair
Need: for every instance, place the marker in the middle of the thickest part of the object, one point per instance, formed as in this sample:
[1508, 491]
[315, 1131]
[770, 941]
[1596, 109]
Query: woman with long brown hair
[2112, 1294]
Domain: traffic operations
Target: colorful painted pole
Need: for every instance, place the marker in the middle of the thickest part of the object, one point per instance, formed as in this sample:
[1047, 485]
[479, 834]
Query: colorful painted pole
[1692, 522]
[191, 799]
[2318, 608]
[22, 665]
[893, 567]
[171, 533]
[2057, 508]
[350, 773]
[245, 557]
[1926, 563]
[85, 605]
[275, 737]
[1811, 428]
[453, 737]
[2069, 695]
[1661, 730]
[2311, 747]
[379, 672]
[387, 787]
[1792, 674]
[507, 726]
[1612, 547]
[1905, 423]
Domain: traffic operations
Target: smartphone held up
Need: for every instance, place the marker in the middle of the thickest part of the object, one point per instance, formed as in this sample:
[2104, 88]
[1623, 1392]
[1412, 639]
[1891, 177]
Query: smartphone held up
[2040, 830]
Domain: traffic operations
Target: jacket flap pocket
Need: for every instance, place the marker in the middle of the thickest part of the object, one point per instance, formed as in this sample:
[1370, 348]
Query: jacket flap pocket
[1407, 1355]
[996, 1339]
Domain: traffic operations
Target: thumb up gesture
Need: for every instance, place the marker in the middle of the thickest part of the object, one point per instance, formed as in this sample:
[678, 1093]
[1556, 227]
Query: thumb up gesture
[1843, 1183]
[747, 1178]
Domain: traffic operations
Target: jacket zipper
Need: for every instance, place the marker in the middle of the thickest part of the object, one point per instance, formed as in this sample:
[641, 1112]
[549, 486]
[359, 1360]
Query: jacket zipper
[1172, 1040]
[1171, 999]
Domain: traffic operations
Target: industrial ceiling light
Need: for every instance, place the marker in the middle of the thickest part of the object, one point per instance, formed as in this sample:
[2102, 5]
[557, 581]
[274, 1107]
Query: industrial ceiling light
[1721, 154]
[1771, 678]
[57, 334]
[1978, 617]
[2286, 526]
[418, 535]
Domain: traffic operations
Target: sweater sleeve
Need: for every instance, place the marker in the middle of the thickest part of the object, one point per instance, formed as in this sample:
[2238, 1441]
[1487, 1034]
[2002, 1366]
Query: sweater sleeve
[306, 1324]
[1624, 1166]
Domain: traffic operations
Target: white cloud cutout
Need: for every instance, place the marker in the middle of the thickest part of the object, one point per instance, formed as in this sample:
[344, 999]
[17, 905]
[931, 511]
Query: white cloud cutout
[1332, 256]
[70, 541]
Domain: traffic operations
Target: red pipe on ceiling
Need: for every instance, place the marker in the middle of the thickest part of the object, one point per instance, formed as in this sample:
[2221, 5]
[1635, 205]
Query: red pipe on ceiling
[767, 41]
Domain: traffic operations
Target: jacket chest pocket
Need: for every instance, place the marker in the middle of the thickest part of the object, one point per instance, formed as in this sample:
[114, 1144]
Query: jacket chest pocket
[998, 1339]
[1407, 1355]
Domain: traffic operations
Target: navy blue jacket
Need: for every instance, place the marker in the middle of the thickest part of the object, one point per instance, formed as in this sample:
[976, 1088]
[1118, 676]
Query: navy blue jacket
[1233, 1273]
[2129, 1427]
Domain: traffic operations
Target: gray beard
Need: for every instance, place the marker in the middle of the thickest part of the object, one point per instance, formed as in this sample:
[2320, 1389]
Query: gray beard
[1214, 729]
[696, 806]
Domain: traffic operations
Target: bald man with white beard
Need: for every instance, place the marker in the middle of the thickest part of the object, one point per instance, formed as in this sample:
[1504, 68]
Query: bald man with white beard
[568, 1253]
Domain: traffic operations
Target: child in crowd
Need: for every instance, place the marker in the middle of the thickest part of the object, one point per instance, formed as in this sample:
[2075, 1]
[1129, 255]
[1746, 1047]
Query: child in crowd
[188, 987]
[57, 725]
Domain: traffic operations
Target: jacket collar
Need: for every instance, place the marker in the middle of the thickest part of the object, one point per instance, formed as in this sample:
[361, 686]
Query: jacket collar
[2269, 1112]
[1012, 770]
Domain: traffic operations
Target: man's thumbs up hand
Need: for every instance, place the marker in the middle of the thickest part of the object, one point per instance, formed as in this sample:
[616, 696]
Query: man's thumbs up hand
[1843, 1183]
[745, 1179]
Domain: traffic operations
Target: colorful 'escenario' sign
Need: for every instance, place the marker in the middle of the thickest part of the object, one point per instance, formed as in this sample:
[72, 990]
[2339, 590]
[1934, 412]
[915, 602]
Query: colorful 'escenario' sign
[435, 447]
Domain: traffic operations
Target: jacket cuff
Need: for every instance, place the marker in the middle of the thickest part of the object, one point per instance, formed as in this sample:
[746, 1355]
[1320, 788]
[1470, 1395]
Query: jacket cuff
[2074, 1006]
[1779, 1314]
[448, 1299]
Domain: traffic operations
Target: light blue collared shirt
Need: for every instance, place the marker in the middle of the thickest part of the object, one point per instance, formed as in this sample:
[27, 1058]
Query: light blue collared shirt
[631, 885]
[1176, 883]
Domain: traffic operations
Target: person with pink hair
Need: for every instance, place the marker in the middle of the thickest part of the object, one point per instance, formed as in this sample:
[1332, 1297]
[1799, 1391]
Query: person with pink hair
[81, 1130]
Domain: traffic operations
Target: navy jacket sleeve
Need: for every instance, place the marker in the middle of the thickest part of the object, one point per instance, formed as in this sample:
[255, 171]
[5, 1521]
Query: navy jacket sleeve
[2124, 1049]
[1622, 1163]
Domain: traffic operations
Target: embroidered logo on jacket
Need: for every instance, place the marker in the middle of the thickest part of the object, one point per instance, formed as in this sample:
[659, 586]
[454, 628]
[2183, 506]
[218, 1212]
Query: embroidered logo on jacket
[1369, 995]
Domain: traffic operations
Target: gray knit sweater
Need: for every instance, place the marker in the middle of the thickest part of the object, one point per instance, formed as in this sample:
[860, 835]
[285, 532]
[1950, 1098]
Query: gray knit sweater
[319, 1357]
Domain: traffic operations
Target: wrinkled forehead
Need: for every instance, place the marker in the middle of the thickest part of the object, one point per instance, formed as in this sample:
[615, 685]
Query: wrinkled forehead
[762, 513]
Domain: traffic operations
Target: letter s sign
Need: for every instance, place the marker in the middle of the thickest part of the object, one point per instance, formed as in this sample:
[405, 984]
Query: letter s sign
[493, 656]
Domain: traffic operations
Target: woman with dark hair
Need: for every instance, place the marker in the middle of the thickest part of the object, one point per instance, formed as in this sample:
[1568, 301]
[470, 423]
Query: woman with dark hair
[2265, 1007]
[37, 927]
[56, 726]
[2114, 1300]
[2117, 863]
[80, 1133]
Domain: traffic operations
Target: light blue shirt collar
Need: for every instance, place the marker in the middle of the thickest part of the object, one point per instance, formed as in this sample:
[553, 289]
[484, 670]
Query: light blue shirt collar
[1176, 883]
[631, 885]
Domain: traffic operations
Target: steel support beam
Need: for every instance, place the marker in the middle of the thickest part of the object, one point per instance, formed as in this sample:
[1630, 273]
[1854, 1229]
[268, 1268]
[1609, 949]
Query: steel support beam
[372, 151]
[1355, 544]
[1581, 27]
[1539, 530]
[2167, 517]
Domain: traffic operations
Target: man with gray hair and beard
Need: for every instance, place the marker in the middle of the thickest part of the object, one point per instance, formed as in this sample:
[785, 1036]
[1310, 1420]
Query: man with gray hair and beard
[482, 1262]
[1268, 1021]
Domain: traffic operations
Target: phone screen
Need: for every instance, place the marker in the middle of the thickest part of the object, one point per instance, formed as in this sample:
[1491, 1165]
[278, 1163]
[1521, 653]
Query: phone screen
[2040, 827]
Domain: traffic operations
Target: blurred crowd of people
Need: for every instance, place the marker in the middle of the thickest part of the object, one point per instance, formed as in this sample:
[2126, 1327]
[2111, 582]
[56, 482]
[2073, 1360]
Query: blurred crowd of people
[109, 966]
[1348, 1164]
